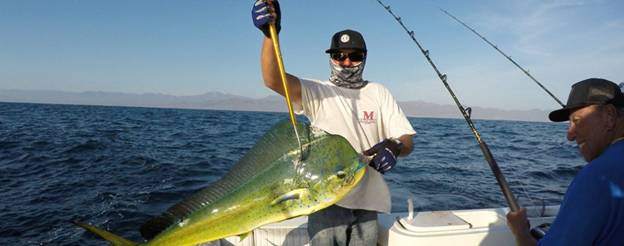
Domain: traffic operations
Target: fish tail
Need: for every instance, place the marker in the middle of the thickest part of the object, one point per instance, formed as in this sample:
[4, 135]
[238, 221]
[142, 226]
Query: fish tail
[110, 237]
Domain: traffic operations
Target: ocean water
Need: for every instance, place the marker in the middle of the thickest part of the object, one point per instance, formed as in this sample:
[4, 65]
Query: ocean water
[115, 167]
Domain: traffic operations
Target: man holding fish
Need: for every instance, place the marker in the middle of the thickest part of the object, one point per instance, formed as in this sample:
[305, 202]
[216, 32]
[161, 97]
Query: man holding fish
[363, 112]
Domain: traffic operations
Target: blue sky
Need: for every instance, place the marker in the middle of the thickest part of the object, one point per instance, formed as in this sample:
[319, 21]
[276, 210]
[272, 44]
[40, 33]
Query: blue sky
[193, 47]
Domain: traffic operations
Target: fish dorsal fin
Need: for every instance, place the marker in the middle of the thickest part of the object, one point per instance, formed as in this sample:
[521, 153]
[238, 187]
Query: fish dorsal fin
[277, 142]
[155, 225]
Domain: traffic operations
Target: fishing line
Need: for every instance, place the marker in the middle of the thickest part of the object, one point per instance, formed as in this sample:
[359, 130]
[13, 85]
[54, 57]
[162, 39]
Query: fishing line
[525, 193]
[505, 55]
[509, 197]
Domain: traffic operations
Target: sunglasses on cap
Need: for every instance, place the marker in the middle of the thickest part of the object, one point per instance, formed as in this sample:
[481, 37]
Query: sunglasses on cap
[354, 57]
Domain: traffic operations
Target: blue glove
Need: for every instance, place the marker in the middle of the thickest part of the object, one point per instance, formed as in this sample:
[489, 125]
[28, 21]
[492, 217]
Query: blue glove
[264, 13]
[384, 154]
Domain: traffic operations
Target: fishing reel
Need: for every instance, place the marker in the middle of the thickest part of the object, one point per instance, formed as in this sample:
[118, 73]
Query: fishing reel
[540, 231]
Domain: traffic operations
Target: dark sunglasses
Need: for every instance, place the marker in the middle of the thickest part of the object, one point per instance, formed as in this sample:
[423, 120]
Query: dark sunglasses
[354, 57]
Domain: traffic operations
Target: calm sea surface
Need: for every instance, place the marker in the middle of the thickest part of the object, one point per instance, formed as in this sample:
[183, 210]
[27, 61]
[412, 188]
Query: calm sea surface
[115, 166]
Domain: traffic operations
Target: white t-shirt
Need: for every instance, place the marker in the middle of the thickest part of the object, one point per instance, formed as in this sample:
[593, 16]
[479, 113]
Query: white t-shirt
[364, 117]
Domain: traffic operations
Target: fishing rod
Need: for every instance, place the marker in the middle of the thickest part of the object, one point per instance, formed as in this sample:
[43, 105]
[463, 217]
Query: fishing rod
[280, 65]
[511, 199]
[505, 55]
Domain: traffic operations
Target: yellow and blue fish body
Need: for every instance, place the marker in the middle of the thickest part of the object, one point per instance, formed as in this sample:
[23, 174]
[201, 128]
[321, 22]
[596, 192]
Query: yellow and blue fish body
[274, 181]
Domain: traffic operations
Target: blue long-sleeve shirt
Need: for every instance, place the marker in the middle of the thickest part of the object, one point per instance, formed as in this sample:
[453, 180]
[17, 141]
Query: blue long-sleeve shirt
[592, 211]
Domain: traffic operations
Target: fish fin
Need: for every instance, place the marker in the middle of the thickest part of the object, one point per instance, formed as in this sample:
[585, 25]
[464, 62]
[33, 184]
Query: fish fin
[110, 237]
[155, 226]
[291, 195]
[242, 237]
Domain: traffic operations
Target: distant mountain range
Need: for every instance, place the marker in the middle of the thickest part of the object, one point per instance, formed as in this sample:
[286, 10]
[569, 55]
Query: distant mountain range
[224, 101]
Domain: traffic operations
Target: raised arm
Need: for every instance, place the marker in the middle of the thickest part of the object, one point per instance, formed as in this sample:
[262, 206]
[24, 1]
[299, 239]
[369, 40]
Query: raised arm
[271, 74]
[264, 13]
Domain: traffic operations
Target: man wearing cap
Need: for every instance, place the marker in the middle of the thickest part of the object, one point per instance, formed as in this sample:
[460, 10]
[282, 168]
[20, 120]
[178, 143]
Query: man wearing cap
[592, 210]
[363, 112]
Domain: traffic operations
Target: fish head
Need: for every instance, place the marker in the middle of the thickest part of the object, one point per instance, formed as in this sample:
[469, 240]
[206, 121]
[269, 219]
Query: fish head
[331, 170]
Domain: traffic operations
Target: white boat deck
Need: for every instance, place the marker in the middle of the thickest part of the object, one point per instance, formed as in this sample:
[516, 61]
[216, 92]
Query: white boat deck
[454, 227]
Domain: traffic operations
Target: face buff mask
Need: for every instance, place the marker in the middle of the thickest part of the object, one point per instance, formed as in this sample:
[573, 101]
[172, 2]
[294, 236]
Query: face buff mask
[347, 77]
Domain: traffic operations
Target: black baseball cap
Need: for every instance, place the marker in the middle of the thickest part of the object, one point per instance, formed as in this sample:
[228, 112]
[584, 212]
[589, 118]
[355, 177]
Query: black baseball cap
[347, 39]
[589, 92]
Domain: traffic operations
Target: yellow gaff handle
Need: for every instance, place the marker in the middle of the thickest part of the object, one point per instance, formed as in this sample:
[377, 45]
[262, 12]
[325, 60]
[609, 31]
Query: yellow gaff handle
[280, 66]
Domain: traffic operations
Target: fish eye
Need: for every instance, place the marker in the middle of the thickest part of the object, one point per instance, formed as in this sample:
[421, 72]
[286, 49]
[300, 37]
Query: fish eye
[341, 174]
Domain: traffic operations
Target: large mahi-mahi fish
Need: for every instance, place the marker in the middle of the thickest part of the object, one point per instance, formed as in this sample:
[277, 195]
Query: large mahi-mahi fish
[274, 181]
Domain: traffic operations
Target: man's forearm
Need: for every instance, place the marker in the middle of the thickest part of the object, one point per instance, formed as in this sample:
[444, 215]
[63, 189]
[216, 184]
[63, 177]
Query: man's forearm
[407, 144]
